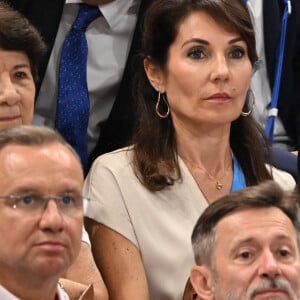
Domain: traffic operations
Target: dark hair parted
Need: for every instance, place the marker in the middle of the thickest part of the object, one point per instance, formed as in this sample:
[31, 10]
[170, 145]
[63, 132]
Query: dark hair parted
[265, 195]
[17, 34]
[155, 150]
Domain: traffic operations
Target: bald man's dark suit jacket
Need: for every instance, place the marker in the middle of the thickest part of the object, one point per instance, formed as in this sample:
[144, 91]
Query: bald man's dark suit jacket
[289, 97]
[46, 15]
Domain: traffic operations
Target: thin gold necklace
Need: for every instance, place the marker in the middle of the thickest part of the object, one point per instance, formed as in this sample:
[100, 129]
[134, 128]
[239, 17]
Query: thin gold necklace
[219, 184]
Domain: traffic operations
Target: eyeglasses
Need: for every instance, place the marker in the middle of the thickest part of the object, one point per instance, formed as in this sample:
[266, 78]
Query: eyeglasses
[69, 205]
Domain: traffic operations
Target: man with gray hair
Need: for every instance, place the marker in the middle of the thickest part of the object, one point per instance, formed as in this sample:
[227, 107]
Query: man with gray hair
[41, 212]
[246, 246]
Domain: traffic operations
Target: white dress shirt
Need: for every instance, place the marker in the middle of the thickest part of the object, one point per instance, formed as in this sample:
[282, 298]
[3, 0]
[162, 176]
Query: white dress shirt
[6, 295]
[109, 39]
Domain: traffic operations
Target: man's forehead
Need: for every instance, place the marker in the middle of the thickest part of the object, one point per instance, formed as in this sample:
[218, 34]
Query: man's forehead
[250, 215]
[18, 161]
[245, 224]
[33, 152]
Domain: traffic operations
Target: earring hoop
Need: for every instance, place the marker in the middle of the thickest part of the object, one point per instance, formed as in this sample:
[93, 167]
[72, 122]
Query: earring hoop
[163, 116]
[250, 94]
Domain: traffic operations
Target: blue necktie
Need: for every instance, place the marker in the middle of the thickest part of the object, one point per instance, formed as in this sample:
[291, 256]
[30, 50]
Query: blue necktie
[73, 105]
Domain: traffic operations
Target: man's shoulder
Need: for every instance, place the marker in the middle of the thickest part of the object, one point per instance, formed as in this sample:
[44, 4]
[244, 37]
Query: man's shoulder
[27, 5]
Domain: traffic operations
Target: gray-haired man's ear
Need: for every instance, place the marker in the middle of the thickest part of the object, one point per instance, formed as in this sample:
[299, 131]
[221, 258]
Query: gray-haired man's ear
[203, 282]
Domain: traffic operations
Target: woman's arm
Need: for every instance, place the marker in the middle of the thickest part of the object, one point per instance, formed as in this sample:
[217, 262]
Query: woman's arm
[119, 261]
[81, 274]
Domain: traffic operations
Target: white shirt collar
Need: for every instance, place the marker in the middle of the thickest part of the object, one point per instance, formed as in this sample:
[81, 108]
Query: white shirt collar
[112, 12]
[6, 295]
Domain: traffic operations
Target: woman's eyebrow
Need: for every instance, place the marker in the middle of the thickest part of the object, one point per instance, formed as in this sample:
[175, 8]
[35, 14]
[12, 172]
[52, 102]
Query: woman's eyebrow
[205, 42]
[20, 66]
[195, 40]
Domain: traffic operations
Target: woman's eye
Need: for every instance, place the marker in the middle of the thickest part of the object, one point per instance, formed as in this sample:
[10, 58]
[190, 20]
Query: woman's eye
[21, 75]
[196, 53]
[237, 53]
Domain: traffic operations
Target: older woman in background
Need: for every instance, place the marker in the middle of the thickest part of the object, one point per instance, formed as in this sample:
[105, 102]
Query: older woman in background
[21, 50]
[196, 141]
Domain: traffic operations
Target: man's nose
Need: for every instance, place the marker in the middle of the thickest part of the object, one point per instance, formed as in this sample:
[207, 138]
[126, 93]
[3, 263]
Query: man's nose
[51, 218]
[8, 91]
[269, 266]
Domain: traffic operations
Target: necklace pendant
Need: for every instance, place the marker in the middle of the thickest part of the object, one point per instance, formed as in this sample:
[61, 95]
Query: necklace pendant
[219, 185]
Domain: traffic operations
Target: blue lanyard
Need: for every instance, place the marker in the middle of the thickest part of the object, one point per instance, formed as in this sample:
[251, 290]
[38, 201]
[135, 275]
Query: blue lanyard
[273, 110]
[238, 181]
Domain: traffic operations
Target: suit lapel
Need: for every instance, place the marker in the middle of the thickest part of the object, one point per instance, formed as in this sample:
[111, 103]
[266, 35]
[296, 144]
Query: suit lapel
[117, 130]
[45, 15]
[272, 27]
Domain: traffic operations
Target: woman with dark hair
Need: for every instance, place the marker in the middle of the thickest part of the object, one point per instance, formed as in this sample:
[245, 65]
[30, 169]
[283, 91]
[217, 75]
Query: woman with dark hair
[196, 141]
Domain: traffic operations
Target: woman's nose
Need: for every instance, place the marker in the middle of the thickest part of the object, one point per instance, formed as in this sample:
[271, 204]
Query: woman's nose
[220, 68]
[8, 91]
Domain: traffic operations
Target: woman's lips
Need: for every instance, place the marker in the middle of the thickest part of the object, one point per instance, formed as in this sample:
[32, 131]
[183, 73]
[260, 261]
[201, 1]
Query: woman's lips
[9, 118]
[219, 97]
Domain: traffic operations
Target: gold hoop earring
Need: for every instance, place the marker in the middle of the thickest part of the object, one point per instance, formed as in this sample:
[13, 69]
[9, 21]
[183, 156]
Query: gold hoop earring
[163, 116]
[249, 93]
